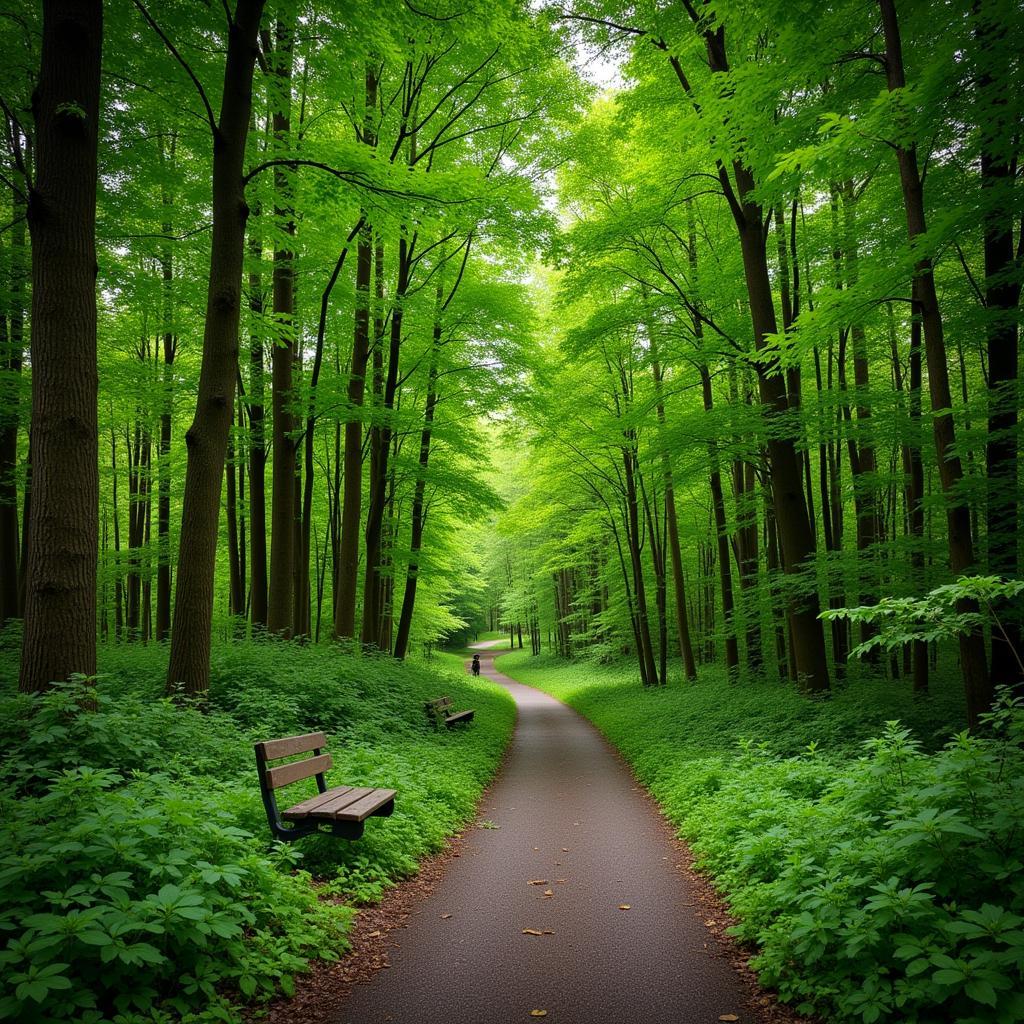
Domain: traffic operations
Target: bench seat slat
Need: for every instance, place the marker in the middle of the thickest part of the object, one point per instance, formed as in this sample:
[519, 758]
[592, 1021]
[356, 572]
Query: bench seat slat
[342, 804]
[285, 774]
[368, 805]
[291, 745]
[460, 716]
[306, 808]
[340, 799]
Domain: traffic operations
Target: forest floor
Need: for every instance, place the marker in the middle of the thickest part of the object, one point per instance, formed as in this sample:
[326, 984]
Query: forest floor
[570, 896]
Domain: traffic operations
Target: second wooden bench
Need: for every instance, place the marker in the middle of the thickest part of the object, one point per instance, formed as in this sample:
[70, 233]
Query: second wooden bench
[441, 711]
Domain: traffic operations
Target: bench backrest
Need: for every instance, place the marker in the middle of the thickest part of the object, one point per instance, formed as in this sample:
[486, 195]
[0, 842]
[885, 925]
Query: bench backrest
[438, 708]
[293, 771]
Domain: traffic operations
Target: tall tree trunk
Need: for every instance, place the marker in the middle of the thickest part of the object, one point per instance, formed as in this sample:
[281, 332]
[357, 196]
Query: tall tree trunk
[351, 513]
[645, 654]
[257, 438]
[236, 581]
[1000, 140]
[672, 522]
[118, 582]
[732, 650]
[311, 418]
[170, 348]
[793, 521]
[280, 600]
[418, 514]
[60, 600]
[915, 500]
[207, 437]
[977, 685]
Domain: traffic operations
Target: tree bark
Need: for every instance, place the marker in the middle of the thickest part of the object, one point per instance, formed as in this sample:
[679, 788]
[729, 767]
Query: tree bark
[978, 689]
[1002, 299]
[60, 600]
[793, 522]
[418, 514]
[280, 600]
[257, 439]
[351, 512]
[732, 650]
[207, 437]
[170, 348]
[672, 522]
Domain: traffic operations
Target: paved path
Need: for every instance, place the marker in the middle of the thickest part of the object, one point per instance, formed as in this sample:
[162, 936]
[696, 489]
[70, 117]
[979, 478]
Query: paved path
[569, 813]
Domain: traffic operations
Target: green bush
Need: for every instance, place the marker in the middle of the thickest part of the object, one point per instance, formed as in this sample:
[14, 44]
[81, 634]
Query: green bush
[138, 879]
[880, 877]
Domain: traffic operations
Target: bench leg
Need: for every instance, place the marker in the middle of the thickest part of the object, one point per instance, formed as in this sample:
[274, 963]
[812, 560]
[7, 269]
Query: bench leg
[347, 829]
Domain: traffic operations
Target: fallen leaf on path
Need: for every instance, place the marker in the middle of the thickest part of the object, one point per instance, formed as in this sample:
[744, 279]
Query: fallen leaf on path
[445, 916]
[537, 881]
[548, 892]
[373, 935]
[728, 1016]
[565, 849]
[538, 1013]
[625, 906]
[548, 931]
[532, 931]
[559, 880]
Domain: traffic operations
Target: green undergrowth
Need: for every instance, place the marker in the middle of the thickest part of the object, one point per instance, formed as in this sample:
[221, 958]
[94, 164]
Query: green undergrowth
[870, 851]
[138, 879]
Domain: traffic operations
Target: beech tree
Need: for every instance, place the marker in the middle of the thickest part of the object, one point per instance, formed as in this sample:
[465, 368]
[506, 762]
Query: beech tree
[60, 594]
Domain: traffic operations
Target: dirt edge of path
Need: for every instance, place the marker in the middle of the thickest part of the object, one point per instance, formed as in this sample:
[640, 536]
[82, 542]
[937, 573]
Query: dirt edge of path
[321, 992]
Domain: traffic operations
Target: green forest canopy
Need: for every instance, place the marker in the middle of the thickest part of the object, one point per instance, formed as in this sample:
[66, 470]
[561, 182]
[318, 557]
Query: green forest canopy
[666, 365]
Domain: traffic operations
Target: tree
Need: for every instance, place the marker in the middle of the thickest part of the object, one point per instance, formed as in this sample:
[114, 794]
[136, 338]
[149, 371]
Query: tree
[207, 437]
[60, 600]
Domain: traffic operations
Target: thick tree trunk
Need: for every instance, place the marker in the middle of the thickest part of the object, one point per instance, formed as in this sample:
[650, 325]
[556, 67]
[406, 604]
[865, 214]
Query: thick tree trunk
[1002, 298]
[351, 512]
[60, 600]
[793, 522]
[207, 437]
[280, 601]
[977, 685]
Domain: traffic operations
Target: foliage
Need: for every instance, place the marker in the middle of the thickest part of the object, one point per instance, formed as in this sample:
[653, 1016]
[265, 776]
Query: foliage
[879, 875]
[137, 875]
[936, 617]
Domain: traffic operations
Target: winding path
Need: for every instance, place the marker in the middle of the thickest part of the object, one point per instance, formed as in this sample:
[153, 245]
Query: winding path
[568, 813]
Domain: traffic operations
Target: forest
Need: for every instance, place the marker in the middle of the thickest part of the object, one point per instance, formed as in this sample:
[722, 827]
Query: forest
[669, 346]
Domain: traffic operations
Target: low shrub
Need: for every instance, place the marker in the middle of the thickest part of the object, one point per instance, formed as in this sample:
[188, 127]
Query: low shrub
[138, 879]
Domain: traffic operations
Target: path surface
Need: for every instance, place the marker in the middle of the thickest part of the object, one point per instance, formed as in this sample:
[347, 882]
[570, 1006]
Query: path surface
[570, 814]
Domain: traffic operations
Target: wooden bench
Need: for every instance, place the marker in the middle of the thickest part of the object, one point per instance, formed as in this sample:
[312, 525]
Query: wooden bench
[441, 711]
[344, 808]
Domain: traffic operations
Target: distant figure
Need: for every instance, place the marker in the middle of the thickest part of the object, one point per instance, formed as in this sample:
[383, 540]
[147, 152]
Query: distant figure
[476, 664]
